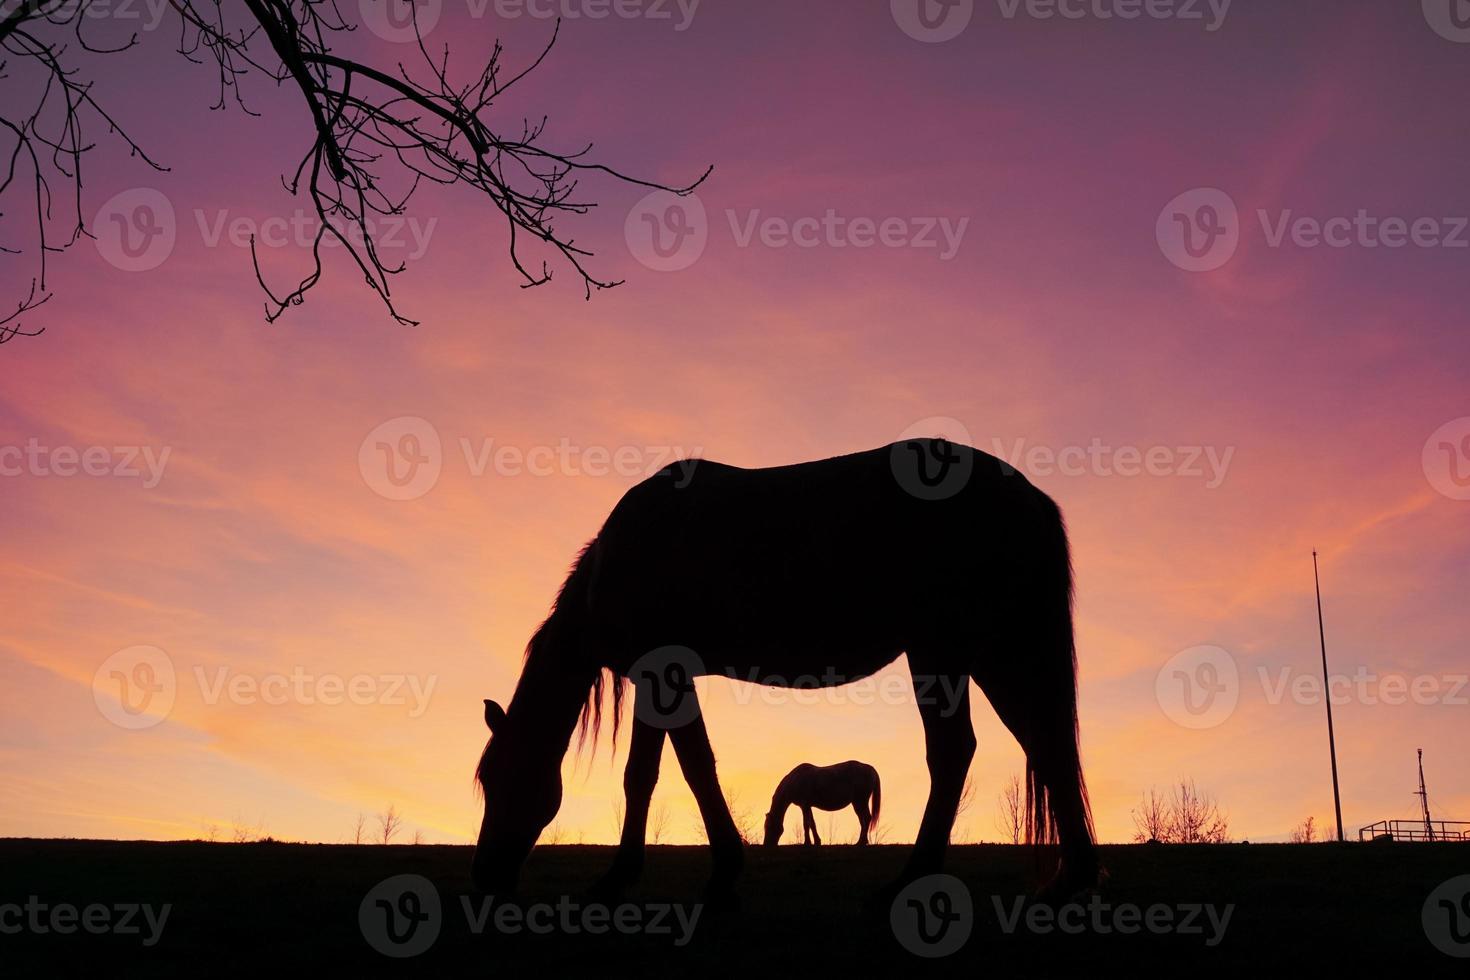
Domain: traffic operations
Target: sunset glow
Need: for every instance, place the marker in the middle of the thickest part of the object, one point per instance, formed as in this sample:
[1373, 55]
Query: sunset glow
[898, 236]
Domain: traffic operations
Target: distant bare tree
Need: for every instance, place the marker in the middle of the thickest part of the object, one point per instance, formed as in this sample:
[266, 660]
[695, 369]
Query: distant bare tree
[1186, 816]
[744, 820]
[554, 834]
[617, 814]
[658, 822]
[245, 833]
[1151, 818]
[1305, 833]
[418, 837]
[834, 836]
[1011, 815]
[360, 831]
[389, 825]
[378, 134]
[1195, 817]
[959, 832]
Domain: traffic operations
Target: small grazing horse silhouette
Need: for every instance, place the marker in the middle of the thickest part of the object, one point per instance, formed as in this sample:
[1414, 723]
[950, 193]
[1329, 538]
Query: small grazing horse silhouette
[819, 573]
[847, 784]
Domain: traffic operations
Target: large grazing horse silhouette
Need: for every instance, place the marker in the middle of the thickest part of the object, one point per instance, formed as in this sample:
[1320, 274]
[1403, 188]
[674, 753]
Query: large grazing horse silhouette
[815, 573]
[847, 784]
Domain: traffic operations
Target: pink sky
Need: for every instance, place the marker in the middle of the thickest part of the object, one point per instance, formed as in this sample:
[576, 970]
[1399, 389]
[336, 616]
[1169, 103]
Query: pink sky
[263, 550]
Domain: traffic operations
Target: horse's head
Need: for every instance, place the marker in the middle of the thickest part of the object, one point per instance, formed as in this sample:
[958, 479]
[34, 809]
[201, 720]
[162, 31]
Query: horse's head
[521, 779]
[775, 823]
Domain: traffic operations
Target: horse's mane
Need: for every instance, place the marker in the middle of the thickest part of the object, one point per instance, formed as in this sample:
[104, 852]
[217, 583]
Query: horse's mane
[567, 616]
[569, 612]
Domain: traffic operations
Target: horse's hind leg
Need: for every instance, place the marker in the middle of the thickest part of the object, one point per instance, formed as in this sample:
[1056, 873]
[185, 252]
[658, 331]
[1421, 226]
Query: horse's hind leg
[697, 760]
[639, 778]
[949, 740]
[1043, 723]
[860, 806]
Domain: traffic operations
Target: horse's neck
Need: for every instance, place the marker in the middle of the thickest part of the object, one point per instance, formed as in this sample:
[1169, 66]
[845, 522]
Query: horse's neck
[551, 692]
[792, 789]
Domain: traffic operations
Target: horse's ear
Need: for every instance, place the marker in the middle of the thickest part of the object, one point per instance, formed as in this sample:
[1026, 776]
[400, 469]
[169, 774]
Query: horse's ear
[494, 715]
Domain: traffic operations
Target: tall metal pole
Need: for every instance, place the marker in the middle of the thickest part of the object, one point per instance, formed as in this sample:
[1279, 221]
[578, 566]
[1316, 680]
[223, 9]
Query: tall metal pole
[1327, 697]
[1423, 795]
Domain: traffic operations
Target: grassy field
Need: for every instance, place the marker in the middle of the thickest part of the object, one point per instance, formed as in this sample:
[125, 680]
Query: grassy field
[259, 908]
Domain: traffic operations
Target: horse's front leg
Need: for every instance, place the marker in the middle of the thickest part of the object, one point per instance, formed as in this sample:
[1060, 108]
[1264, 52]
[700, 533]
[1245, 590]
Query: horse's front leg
[697, 760]
[639, 778]
[949, 740]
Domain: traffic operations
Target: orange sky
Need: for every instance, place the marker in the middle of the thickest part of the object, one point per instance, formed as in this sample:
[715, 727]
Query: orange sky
[262, 550]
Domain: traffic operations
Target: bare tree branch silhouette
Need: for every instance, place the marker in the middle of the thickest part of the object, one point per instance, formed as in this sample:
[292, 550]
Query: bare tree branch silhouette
[378, 136]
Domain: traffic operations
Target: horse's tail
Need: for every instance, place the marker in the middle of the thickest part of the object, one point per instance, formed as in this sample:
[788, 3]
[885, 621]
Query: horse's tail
[875, 805]
[1055, 789]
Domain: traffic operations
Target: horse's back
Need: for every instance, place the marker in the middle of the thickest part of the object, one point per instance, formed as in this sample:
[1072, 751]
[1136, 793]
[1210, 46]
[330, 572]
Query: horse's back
[835, 555]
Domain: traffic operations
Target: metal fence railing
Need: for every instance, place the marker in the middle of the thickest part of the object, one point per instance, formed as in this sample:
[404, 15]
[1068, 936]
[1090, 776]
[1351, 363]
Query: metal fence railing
[1416, 830]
